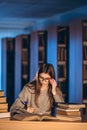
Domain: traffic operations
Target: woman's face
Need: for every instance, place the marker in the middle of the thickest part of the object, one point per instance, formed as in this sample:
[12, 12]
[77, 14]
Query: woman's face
[44, 78]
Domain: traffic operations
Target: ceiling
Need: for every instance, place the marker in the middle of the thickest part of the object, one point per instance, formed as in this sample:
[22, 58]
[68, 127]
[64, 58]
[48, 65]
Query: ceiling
[24, 16]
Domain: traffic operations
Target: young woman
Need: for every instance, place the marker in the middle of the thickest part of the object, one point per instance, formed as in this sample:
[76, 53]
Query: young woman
[38, 96]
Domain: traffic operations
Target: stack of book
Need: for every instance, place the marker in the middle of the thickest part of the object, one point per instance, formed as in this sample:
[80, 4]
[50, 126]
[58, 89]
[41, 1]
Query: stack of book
[70, 112]
[3, 105]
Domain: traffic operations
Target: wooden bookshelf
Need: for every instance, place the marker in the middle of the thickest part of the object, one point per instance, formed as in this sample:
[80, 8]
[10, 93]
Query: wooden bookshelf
[25, 59]
[63, 35]
[84, 70]
[42, 41]
[10, 53]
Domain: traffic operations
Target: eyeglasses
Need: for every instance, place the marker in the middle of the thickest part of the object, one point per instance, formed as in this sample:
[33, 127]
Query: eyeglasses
[44, 79]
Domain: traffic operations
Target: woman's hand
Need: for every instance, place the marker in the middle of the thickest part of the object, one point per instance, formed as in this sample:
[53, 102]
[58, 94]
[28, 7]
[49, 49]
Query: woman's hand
[54, 85]
[30, 109]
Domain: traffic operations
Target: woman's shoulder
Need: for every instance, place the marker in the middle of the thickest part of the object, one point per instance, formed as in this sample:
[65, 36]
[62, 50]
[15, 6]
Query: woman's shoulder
[30, 86]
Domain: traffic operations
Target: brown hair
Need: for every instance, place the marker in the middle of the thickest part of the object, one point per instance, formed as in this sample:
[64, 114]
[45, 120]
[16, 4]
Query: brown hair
[49, 69]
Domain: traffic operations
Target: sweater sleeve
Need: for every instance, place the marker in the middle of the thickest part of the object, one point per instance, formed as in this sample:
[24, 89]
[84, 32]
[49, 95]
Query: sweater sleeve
[58, 97]
[21, 102]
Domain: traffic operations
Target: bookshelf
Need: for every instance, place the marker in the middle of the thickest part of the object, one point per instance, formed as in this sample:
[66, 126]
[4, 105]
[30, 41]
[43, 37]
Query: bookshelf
[10, 46]
[84, 39]
[25, 59]
[42, 41]
[63, 39]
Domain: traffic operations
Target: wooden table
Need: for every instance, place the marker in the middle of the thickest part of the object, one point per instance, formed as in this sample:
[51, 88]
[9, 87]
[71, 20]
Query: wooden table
[6, 124]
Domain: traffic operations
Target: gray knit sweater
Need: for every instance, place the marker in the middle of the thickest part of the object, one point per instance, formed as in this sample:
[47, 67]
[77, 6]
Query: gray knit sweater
[27, 97]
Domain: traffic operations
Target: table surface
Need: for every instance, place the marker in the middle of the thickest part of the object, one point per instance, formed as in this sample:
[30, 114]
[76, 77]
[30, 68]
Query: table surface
[6, 124]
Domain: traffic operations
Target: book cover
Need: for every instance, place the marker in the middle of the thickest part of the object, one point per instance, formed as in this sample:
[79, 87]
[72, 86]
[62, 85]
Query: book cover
[4, 114]
[1, 93]
[71, 105]
[3, 106]
[2, 99]
[68, 112]
[3, 110]
[68, 118]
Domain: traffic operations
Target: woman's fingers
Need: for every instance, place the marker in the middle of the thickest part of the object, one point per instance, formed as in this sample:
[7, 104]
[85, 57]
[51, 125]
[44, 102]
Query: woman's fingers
[30, 109]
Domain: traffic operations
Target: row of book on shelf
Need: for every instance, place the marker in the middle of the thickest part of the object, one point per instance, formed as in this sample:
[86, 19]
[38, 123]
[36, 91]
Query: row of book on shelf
[85, 72]
[61, 53]
[85, 52]
[61, 71]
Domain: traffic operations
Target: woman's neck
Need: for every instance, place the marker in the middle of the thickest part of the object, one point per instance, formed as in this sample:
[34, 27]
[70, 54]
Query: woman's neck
[44, 87]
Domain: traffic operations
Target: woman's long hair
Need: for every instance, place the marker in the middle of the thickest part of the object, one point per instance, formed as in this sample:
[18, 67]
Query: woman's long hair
[49, 69]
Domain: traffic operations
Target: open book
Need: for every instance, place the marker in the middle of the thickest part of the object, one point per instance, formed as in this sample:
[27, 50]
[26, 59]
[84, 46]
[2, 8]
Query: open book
[46, 118]
[51, 118]
[35, 117]
[40, 118]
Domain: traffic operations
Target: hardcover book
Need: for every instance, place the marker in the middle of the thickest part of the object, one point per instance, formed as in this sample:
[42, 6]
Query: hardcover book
[3, 106]
[71, 105]
[1, 93]
[2, 99]
[69, 118]
[68, 112]
[4, 114]
[3, 110]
